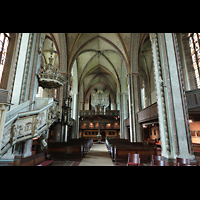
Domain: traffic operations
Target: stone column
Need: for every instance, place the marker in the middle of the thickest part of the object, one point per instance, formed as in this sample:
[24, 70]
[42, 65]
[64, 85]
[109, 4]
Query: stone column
[130, 107]
[75, 131]
[101, 109]
[87, 105]
[104, 110]
[3, 111]
[28, 148]
[134, 107]
[17, 85]
[96, 109]
[113, 105]
[123, 115]
[172, 109]
[65, 130]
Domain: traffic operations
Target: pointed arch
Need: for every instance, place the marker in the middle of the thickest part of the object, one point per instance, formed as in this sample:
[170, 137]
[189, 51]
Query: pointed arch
[71, 60]
[117, 80]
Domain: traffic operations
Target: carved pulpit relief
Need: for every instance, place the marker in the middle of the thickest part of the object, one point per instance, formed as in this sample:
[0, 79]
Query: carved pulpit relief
[100, 101]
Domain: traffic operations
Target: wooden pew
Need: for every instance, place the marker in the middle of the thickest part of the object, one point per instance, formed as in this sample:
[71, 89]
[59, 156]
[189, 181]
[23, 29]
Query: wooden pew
[196, 148]
[118, 144]
[64, 150]
[39, 159]
[74, 148]
[86, 142]
[119, 149]
[121, 152]
[110, 142]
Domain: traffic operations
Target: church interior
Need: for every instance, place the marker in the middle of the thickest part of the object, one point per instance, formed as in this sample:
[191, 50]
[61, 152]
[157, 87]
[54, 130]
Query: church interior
[99, 99]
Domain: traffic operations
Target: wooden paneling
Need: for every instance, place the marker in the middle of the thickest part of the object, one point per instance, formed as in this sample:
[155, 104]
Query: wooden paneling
[193, 98]
[149, 113]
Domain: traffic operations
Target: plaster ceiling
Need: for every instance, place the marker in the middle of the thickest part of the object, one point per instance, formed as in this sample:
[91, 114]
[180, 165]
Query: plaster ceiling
[99, 58]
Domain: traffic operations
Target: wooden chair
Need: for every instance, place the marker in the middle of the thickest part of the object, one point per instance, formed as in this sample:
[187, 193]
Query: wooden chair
[133, 159]
[159, 163]
[178, 164]
[182, 161]
[154, 157]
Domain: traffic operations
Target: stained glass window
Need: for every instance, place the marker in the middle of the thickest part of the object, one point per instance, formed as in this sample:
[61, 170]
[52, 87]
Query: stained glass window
[4, 41]
[194, 39]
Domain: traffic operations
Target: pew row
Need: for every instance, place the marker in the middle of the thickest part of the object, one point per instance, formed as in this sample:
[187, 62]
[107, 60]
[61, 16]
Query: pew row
[121, 153]
[196, 148]
[39, 159]
[61, 150]
[120, 148]
[74, 148]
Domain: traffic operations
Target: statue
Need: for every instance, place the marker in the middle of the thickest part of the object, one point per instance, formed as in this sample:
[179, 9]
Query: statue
[99, 138]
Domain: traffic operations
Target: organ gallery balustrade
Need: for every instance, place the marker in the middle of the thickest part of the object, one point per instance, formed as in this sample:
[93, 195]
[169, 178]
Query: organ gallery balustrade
[112, 113]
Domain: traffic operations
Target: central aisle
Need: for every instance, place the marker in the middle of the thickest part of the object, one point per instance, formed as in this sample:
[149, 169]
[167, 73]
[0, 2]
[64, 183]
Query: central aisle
[97, 156]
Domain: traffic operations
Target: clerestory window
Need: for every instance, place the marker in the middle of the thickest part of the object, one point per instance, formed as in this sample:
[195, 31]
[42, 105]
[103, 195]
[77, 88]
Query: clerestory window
[4, 41]
[195, 53]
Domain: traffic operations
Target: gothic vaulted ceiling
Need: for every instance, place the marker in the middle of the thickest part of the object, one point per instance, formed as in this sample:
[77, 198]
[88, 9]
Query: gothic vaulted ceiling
[99, 58]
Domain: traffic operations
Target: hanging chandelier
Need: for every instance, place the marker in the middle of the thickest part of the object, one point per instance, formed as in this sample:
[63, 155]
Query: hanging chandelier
[49, 76]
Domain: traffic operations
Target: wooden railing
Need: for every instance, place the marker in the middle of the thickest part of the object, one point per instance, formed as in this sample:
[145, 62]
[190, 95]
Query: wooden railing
[193, 98]
[149, 113]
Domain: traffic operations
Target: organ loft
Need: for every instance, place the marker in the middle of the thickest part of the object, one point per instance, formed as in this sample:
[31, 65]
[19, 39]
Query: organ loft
[99, 99]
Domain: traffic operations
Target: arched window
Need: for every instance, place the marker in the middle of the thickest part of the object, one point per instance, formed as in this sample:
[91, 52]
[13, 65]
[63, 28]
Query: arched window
[194, 39]
[4, 41]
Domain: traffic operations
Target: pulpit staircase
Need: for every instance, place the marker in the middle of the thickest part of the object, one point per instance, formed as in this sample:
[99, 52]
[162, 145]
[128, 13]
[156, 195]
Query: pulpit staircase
[21, 123]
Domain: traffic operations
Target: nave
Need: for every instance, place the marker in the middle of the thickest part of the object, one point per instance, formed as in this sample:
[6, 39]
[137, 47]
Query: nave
[60, 91]
[97, 156]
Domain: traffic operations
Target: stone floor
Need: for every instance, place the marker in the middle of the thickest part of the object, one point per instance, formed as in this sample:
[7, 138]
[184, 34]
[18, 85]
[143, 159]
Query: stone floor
[63, 163]
[97, 156]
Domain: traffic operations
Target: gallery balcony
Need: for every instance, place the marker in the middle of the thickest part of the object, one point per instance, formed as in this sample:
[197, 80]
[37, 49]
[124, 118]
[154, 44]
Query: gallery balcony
[92, 113]
[150, 113]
